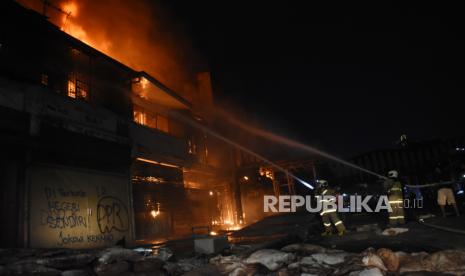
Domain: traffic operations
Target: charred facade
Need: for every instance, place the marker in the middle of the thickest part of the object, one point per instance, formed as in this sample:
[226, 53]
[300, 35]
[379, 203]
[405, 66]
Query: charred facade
[90, 152]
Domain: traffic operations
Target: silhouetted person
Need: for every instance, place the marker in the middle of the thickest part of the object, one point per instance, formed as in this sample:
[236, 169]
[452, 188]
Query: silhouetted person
[446, 196]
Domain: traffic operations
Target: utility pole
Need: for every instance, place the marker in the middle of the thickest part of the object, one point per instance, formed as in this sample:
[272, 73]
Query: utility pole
[44, 8]
[47, 3]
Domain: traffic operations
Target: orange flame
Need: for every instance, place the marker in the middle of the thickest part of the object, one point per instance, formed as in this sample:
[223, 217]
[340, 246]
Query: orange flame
[70, 25]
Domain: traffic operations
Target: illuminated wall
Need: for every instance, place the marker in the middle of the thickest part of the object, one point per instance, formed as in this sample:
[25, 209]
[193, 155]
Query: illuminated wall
[77, 208]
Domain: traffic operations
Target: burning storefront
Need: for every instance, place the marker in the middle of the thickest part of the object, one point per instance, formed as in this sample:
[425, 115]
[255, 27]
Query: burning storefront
[90, 153]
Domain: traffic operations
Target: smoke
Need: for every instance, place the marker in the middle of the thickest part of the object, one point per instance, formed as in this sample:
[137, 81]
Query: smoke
[143, 35]
[286, 141]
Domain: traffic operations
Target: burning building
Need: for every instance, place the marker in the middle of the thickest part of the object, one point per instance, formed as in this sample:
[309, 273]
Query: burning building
[91, 153]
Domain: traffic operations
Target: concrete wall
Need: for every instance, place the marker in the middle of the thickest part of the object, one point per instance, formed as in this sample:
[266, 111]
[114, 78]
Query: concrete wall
[77, 208]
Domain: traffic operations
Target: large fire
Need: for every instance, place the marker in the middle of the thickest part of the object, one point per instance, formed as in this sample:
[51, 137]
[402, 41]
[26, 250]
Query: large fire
[139, 34]
[70, 26]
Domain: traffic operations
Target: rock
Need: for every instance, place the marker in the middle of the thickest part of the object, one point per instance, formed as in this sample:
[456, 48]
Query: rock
[106, 269]
[368, 272]
[311, 266]
[394, 231]
[305, 248]
[389, 258]
[67, 261]
[282, 272]
[227, 263]
[116, 254]
[374, 260]
[448, 261]
[148, 264]
[294, 266]
[270, 258]
[309, 261]
[414, 262]
[238, 272]
[77, 272]
[330, 259]
[31, 268]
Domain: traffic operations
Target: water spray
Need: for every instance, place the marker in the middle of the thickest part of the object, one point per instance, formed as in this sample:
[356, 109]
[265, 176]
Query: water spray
[283, 140]
[197, 125]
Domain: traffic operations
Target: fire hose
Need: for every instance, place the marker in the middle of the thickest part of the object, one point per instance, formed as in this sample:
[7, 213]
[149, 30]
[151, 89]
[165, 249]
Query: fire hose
[431, 184]
[448, 229]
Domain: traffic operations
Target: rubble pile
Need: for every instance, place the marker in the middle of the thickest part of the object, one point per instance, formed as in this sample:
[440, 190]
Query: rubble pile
[292, 259]
[310, 259]
[67, 262]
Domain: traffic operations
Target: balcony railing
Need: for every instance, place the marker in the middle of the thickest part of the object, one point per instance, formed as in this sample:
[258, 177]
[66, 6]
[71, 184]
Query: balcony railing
[158, 146]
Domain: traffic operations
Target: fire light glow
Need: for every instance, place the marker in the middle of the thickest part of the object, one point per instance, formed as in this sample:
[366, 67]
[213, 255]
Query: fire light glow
[154, 213]
[70, 25]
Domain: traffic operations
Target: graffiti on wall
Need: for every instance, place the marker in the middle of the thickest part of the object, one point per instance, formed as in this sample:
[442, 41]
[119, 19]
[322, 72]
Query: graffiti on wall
[112, 215]
[78, 209]
[62, 211]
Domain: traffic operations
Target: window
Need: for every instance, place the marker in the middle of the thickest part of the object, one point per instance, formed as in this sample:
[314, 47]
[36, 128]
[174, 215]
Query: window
[192, 147]
[71, 89]
[151, 120]
[44, 79]
[77, 88]
[140, 117]
[81, 89]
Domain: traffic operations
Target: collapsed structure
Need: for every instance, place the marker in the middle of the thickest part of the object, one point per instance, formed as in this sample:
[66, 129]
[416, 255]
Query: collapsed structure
[90, 153]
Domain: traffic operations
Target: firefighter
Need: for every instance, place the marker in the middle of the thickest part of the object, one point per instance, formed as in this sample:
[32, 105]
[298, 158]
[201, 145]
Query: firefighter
[395, 196]
[329, 212]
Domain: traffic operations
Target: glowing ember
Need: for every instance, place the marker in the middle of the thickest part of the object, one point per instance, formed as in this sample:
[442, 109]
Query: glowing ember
[213, 233]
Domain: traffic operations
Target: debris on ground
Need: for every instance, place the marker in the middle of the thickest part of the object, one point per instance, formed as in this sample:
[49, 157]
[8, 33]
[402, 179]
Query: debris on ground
[394, 231]
[270, 258]
[368, 228]
[389, 259]
[373, 260]
[291, 259]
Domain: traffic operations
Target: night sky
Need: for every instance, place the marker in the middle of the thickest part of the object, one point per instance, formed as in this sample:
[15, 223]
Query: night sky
[347, 77]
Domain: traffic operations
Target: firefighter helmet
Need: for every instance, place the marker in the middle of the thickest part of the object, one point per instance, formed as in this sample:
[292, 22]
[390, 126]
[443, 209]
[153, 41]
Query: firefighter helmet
[322, 183]
[393, 174]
